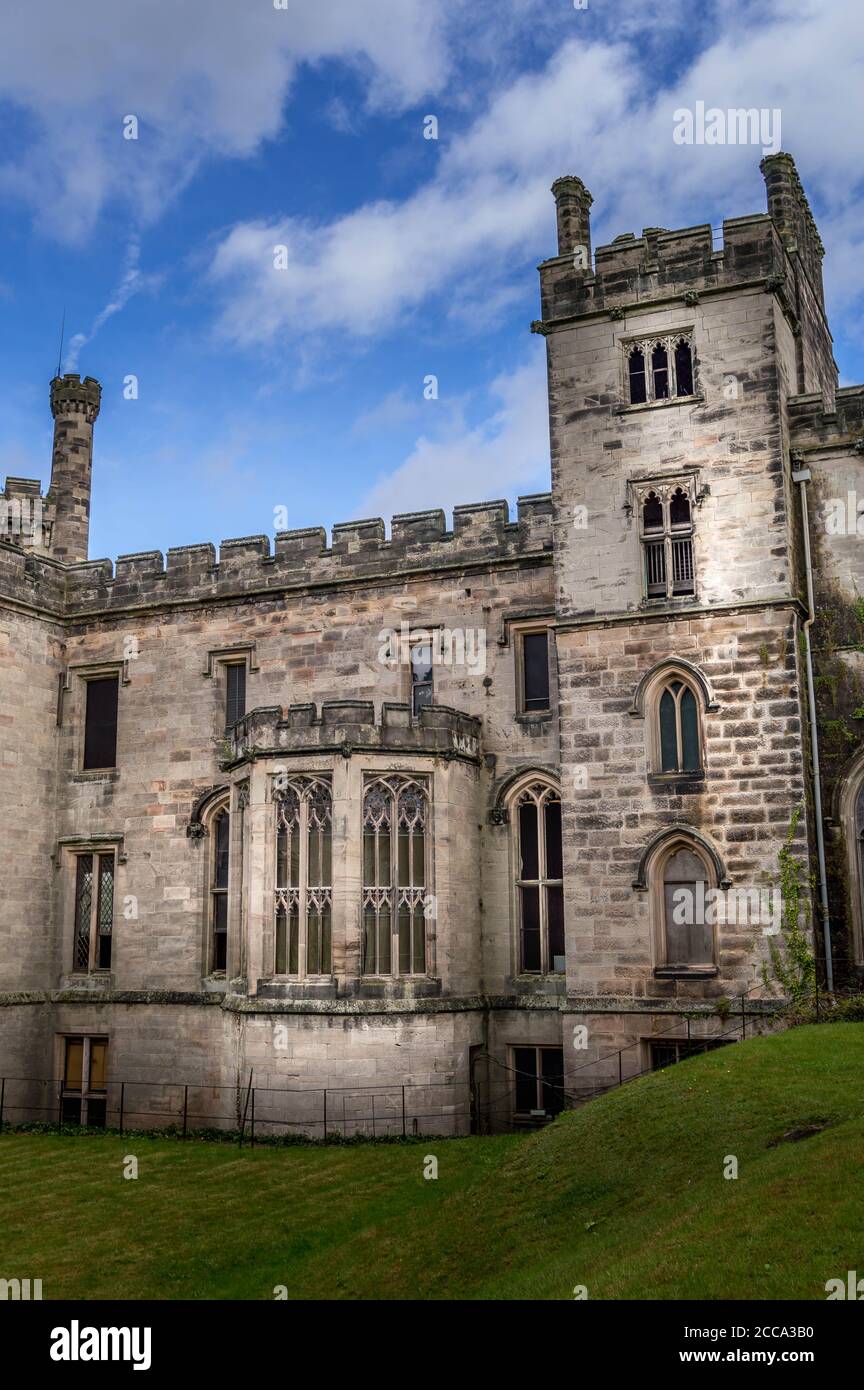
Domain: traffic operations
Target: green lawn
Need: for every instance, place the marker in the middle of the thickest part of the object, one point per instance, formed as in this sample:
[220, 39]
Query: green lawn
[625, 1196]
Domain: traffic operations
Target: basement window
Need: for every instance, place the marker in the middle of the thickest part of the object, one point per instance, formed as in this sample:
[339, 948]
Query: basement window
[538, 1082]
[84, 1093]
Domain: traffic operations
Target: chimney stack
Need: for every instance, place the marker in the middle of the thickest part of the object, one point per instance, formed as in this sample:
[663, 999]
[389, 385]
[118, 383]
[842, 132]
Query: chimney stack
[573, 208]
[74, 405]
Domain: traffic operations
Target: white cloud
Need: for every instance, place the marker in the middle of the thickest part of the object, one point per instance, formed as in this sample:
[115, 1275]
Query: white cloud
[590, 111]
[501, 455]
[203, 77]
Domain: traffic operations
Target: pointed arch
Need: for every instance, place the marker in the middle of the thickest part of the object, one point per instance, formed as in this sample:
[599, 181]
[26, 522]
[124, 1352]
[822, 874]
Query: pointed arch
[850, 813]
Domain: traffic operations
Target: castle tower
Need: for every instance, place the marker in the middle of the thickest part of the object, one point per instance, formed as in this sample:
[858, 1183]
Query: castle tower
[75, 406]
[670, 363]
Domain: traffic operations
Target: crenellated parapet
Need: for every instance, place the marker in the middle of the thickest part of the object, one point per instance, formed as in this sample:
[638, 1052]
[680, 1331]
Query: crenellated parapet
[813, 427]
[359, 551]
[350, 726]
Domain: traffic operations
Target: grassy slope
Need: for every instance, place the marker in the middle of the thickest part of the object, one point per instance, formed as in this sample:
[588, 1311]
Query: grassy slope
[626, 1196]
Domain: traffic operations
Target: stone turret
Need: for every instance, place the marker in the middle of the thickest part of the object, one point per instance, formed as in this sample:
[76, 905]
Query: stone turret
[573, 206]
[75, 406]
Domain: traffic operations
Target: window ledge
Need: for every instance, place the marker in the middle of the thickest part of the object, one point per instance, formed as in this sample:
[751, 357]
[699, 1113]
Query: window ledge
[677, 781]
[533, 716]
[629, 409]
[686, 972]
[96, 774]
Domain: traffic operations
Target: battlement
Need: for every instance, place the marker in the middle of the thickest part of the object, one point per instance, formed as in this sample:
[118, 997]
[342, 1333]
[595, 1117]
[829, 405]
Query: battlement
[350, 725]
[662, 264]
[813, 427]
[481, 534]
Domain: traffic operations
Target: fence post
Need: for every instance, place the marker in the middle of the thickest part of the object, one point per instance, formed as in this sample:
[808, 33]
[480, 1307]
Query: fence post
[185, 1108]
[620, 1068]
[2, 1099]
[122, 1102]
[252, 1117]
[403, 1113]
[817, 995]
[325, 1112]
[743, 1019]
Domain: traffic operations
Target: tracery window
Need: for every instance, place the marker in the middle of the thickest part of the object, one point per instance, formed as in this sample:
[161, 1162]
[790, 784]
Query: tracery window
[678, 723]
[540, 879]
[666, 531]
[395, 848]
[660, 368]
[303, 898]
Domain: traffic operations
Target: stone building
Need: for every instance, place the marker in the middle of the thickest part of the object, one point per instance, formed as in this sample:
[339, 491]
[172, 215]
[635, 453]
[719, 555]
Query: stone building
[405, 830]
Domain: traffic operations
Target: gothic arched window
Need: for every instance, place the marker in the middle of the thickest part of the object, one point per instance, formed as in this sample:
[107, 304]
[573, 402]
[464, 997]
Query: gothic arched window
[688, 937]
[220, 832]
[304, 878]
[539, 878]
[395, 825]
[678, 717]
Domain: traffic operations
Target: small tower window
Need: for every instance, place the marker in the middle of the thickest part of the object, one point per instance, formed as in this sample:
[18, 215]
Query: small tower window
[638, 391]
[421, 676]
[683, 368]
[667, 543]
[235, 693]
[660, 372]
[659, 369]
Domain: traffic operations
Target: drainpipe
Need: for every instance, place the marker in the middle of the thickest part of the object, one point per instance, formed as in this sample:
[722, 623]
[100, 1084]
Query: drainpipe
[802, 477]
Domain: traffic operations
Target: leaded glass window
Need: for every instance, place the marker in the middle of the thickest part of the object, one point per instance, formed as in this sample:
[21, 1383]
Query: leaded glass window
[303, 899]
[678, 715]
[94, 911]
[395, 825]
[540, 881]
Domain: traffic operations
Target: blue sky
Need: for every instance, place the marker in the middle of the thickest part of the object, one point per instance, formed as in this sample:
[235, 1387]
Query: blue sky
[303, 126]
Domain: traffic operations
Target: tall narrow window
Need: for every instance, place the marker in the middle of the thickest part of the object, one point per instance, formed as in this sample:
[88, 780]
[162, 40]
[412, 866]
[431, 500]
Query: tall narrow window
[94, 912]
[535, 671]
[660, 372]
[636, 373]
[304, 878]
[689, 938]
[679, 729]
[235, 693]
[84, 1090]
[683, 368]
[219, 892]
[395, 820]
[540, 880]
[100, 723]
[421, 676]
[667, 544]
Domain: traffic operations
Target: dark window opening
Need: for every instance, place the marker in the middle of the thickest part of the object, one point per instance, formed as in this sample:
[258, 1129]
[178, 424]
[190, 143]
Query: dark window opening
[535, 665]
[94, 912]
[660, 373]
[666, 1051]
[100, 726]
[235, 694]
[421, 676]
[636, 369]
[538, 1082]
[540, 881]
[683, 368]
[679, 729]
[219, 891]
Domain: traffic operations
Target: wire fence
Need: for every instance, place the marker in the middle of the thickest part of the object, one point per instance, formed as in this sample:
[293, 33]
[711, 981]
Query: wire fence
[482, 1100]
